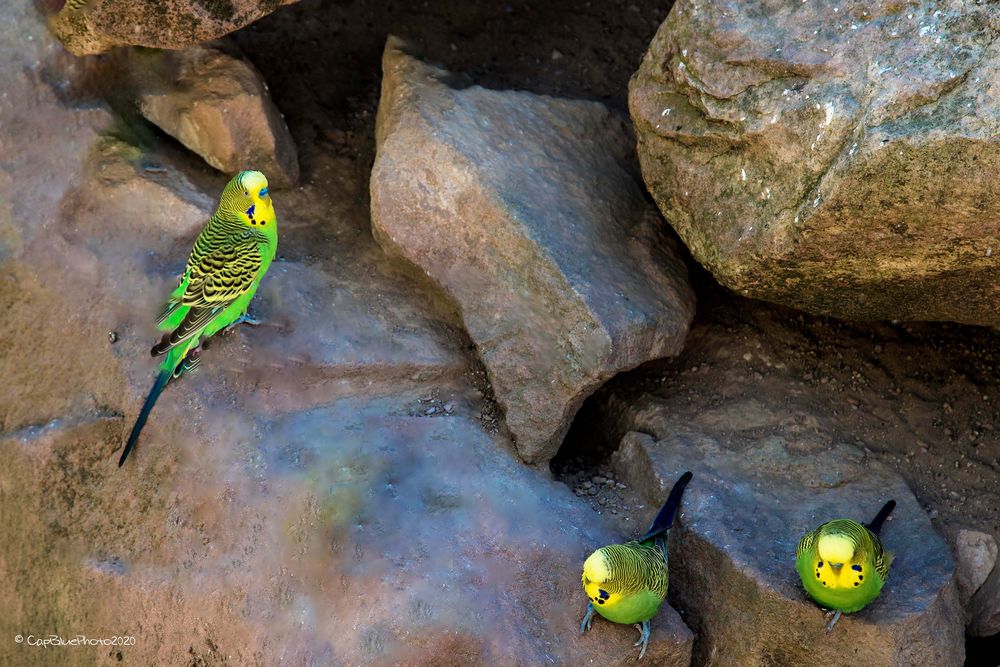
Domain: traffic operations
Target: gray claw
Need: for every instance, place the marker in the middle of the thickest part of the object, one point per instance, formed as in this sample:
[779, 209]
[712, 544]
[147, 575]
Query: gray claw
[587, 618]
[644, 629]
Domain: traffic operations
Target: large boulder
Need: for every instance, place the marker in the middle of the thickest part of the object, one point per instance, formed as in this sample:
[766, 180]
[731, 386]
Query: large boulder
[836, 158]
[217, 104]
[525, 210]
[94, 26]
[733, 554]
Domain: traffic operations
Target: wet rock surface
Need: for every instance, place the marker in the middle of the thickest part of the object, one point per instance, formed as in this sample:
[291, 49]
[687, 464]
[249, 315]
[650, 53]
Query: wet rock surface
[733, 554]
[256, 539]
[523, 209]
[96, 26]
[837, 158]
[214, 102]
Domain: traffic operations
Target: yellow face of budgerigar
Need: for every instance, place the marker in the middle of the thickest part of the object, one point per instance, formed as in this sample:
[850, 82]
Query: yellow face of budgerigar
[836, 567]
[596, 581]
[248, 197]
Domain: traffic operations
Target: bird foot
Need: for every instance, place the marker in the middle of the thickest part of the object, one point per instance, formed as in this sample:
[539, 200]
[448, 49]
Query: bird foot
[588, 618]
[644, 630]
[247, 318]
[833, 621]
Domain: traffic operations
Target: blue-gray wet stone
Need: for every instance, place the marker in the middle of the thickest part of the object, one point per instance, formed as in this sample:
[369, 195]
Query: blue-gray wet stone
[733, 554]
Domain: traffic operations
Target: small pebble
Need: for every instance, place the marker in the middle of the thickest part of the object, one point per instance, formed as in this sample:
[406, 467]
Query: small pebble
[112, 337]
[448, 407]
[431, 410]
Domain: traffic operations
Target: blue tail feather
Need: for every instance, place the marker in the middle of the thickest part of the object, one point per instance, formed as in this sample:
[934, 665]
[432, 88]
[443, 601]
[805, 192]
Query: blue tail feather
[876, 525]
[665, 519]
[147, 407]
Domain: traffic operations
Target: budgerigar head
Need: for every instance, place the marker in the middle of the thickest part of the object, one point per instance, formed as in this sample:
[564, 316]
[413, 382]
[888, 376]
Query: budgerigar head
[247, 199]
[598, 580]
[836, 548]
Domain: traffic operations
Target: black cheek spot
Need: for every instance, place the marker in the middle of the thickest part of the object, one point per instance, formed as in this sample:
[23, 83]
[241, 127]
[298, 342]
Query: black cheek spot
[861, 577]
[817, 575]
[856, 568]
[599, 601]
[857, 583]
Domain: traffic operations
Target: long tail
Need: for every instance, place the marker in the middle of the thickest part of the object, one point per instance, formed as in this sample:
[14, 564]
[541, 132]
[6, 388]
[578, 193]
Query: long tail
[161, 381]
[665, 519]
[876, 525]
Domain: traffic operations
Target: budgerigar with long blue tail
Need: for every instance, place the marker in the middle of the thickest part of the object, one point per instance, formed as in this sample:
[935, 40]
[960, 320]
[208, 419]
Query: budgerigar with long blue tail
[230, 256]
[627, 583]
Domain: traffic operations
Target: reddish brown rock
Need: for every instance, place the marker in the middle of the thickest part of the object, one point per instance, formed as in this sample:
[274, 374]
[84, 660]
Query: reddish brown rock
[94, 26]
[217, 104]
[836, 157]
[524, 209]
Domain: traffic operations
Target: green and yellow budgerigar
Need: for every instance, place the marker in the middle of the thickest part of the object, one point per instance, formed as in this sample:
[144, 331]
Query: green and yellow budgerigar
[229, 258]
[842, 563]
[627, 583]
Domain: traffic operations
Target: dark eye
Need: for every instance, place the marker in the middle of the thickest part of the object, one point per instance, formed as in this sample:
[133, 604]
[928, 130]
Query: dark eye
[246, 193]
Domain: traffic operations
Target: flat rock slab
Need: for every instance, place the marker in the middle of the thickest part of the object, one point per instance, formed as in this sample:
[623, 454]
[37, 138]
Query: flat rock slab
[733, 554]
[217, 104]
[95, 26]
[349, 534]
[524, 209]
[836, 157]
